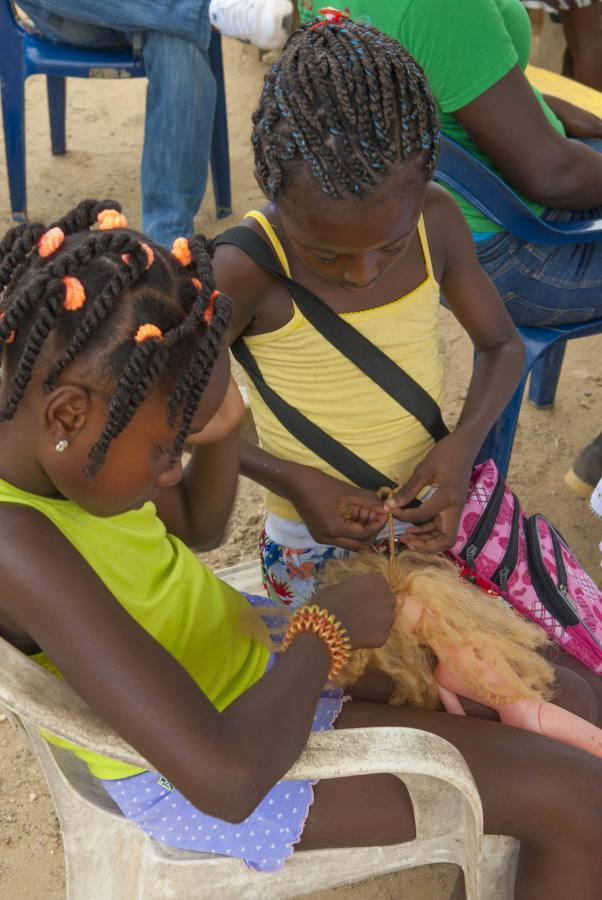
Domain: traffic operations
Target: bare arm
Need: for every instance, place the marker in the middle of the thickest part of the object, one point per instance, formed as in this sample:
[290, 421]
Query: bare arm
[508, 124]
[224, 763]
[197, 509]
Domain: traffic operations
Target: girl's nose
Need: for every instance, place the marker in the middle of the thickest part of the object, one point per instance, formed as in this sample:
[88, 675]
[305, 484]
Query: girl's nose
[171, 476]
[361, 270]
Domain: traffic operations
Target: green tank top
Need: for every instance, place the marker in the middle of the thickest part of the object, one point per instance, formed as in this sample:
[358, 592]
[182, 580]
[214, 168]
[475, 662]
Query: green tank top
[159, 581]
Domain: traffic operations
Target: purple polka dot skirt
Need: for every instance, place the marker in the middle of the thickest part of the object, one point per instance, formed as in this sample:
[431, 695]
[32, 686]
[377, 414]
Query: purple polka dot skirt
[263, 841]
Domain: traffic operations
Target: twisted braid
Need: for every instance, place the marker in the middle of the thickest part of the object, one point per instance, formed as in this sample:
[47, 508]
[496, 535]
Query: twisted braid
[349, 101]
[122, 291]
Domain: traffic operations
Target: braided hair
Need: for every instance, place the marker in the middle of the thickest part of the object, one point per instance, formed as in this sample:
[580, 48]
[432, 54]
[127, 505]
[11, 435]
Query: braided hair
[148, 318]
[349, 101]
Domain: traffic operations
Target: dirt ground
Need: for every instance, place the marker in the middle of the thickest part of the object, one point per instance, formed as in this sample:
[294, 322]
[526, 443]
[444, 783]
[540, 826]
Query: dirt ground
[105, 121]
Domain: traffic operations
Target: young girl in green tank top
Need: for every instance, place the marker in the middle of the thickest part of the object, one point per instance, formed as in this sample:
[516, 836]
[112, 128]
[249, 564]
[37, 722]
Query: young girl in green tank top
[345, 139]
[112, 357]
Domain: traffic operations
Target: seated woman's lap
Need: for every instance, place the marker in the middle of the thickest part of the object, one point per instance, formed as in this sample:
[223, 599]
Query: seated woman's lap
[545, 284]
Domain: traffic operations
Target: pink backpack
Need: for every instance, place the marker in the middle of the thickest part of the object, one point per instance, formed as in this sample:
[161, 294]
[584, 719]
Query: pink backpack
[530, 565]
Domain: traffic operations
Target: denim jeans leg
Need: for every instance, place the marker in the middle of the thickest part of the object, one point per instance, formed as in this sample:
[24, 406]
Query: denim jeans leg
[180, 106]
[547, 284]
[187, 18]
[69, 31]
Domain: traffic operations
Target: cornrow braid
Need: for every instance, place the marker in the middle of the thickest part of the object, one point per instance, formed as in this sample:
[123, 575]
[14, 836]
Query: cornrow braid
[350, 102]
[128, 287]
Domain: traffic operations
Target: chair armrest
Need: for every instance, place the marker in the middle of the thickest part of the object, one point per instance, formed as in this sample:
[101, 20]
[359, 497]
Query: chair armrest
[464, 173]
[41, 699]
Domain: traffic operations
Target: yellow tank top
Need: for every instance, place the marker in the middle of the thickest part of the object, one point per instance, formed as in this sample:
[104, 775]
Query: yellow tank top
[310, 374]
[159, 581]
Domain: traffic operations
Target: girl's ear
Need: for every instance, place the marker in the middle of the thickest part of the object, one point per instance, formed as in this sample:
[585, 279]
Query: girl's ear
[65, 413]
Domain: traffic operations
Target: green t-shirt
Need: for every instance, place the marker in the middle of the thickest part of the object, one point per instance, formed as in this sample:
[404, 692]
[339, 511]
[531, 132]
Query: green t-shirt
[464, 47]
[163, 586]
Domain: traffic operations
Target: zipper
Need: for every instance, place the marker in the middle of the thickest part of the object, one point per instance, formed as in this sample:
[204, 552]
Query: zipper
[555, 597]
[508, 561]
[482, 530]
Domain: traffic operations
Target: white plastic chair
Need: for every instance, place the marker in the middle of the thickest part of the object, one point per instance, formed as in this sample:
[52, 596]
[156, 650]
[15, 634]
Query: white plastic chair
[109, 858]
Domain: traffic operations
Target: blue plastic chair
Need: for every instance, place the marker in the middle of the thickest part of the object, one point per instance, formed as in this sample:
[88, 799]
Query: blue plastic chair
[24, 52]
[544, 347]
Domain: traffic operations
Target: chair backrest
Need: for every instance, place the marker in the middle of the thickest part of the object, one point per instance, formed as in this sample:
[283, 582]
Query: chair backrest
[39, 698]
[8, 22]
[460, 170]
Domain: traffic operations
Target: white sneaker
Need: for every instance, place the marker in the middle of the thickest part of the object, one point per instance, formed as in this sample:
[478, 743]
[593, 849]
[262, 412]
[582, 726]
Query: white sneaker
[265, 23]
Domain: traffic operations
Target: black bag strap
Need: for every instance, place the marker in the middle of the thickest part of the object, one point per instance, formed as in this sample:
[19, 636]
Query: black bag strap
[307, 432]
[347, 340]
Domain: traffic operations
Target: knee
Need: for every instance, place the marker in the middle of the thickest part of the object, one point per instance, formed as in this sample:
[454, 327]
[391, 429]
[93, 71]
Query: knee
[575, 694]
[562, 802]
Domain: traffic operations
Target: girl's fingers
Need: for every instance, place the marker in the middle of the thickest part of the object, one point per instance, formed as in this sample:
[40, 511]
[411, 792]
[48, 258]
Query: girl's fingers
[410, 490]
[420, 514]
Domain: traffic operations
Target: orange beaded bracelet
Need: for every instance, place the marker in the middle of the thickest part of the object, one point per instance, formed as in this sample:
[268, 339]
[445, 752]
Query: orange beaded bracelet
[314, 620]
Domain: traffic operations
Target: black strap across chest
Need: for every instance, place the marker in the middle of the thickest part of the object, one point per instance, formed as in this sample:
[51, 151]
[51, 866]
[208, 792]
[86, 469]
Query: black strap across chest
[379, 367]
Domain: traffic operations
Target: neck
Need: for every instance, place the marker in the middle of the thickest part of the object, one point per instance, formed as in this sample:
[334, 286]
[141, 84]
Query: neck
[19, 464]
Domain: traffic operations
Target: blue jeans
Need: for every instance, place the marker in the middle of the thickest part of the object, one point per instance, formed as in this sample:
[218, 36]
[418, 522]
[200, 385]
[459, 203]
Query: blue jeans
[180, 101]
[543, 284]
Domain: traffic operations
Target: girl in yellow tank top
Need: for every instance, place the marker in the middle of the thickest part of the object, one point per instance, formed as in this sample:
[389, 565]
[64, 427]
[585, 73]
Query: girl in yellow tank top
[354, 217]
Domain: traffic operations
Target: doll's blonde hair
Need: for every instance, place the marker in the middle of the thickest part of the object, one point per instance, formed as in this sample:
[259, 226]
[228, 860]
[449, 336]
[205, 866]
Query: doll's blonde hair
[456, 613]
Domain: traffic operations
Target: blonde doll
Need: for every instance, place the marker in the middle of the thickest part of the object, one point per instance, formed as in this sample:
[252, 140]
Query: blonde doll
[451, 637]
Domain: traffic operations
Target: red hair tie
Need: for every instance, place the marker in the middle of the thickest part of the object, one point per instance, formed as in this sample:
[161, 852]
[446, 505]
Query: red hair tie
[50, 241]
[181, 251]
[110, 218]
[147, 331]
[12, 334]
[75, 294]
[331, 16]
[208, 314]
[197, 284]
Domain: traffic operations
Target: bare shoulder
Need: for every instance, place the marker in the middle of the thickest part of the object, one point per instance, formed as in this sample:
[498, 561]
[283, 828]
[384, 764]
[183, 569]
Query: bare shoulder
[242, 280]
[447, 230]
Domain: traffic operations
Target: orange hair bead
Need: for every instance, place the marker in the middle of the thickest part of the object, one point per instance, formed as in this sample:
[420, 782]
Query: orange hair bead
[150, 255]
[75, 294]
[11, 336]
[147, 331]
[181, 251]
[208, 314]
[50, 241]
[110, 218]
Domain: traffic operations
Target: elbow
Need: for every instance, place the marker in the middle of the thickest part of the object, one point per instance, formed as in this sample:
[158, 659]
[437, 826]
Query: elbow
[554, 185]
[202, 543]
[233, 800]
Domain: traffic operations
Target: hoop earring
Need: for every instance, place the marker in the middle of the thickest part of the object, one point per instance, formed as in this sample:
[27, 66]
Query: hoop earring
[61, 446]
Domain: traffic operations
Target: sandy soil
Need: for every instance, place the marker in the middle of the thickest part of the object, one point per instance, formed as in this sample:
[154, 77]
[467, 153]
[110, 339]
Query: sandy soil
[105, 123]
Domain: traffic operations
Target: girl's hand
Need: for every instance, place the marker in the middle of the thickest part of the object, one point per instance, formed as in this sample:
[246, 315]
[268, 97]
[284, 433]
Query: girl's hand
[336, 512]
[226, 420]
[365, 605]
[447, 467]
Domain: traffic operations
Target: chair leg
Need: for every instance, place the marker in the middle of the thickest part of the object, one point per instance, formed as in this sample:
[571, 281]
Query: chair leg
[499, 441]
[545, 373]
[13, 115]
[220, 156]
[55, 87]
